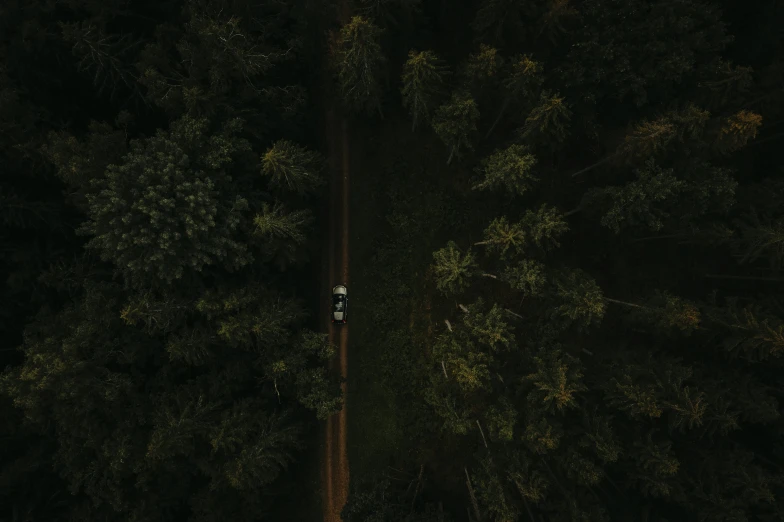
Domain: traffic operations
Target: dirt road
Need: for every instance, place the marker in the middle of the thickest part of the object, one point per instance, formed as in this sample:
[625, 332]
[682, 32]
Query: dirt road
[335, 472]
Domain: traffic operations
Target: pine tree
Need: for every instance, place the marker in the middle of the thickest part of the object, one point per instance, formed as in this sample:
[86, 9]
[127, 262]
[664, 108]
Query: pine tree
[256, 447]
[496, 18]
[467, 365]
[656, 468]
[292, 167]
[501, 420]
[274, 222]
[648, 139]
[502, 236]
[579, 298]
[482, 71]
[737, 130]
[644, 202]
[544, 226]
[455, 123]
[520, 86]
[527, 275]
[358, 63]
[615, 34]
[452, 268]
[553, 18]
[170, 206]
[423, 84]
[493, 492]
[526, 76]
[548, 123]
[489, 327]
[508, 169]
[542, 435]
[557, 379]
[104, 56]
[724, 81]
[759, 238]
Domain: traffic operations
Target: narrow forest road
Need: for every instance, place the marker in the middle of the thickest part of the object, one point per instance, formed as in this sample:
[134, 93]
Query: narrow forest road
[335, 473]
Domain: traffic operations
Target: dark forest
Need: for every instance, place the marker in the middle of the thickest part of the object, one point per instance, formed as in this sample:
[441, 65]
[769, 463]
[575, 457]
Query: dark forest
[566, 241]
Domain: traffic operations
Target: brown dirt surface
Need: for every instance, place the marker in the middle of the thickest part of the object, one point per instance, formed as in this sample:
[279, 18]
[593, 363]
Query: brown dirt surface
[335, 473]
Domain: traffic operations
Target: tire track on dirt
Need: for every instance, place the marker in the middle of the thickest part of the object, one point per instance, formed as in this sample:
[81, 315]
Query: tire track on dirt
[327, 474]
[336, 472]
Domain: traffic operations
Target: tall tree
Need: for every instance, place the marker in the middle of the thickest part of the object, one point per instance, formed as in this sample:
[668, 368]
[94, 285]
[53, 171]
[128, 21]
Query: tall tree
[508, 169]
[292, 167]
[453, 268]
[455, 123]
[358, 62]
[170, 206]
[424, 78]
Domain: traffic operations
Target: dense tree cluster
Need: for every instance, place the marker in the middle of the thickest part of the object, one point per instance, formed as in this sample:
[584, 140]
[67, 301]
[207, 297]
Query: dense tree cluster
[608, 345]
[603, 237]
[158, 174]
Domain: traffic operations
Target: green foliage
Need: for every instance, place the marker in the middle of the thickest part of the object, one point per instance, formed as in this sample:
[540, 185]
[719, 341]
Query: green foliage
[454, 417]
[617, 35]
[649, 138]
[600, 438]
[542, 435]
[750, 331]
[493, 494]
[552, 20]
[170, 206]
[358, 62]
[104, 56]
[548, 123]
[424, 76]
[274, 222]
[508, 169]
[189, 392]
[502, 236]
[709, 190]
[579, 298]
[677, 312]
[489, 327]
[525, 78]
[251, 318]
[292, 167]
[530, 482]
[256, 447]
[656, 467]
[455, 123]
[452, 268]
[464, 361]
[501, 420]
[376, 498]
[759, 239]
[723, 81]
[482, 70]
[644, 202]
[222, 60]
[497, 18]
[557, 379]
[79, 163]
[544, 226]
[737, 130]
[527, 275]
